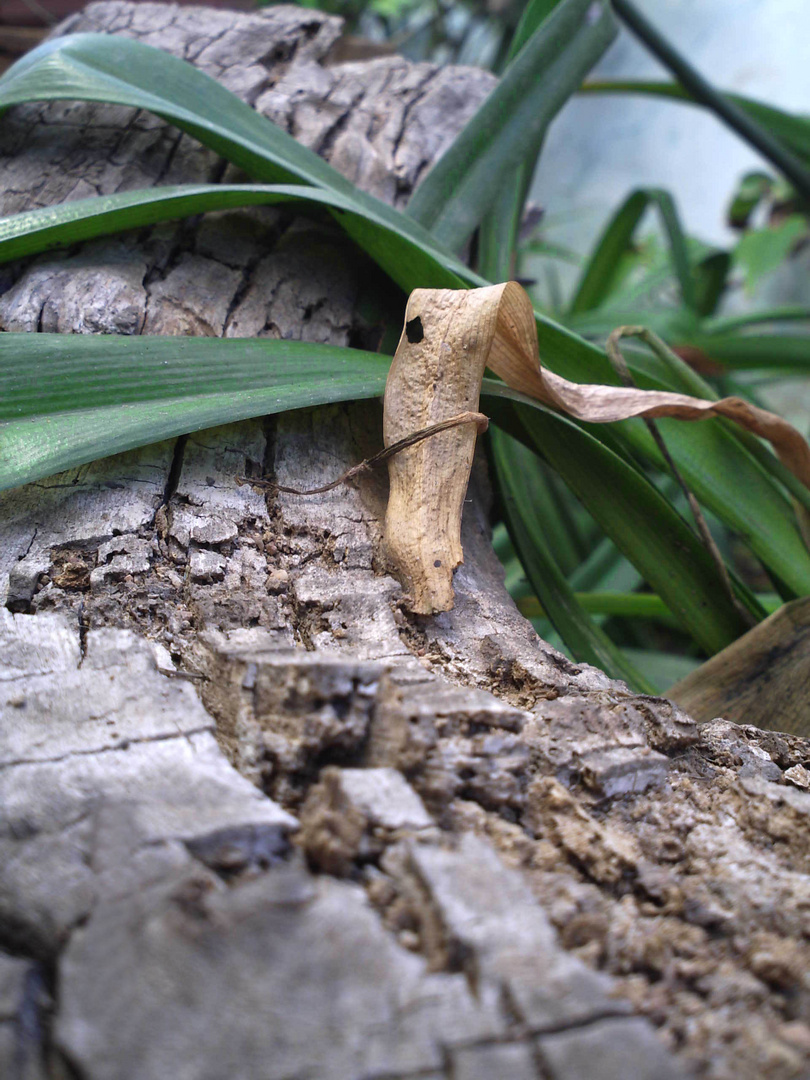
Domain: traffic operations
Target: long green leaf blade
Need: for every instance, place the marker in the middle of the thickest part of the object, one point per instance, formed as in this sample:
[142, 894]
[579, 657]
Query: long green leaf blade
[596, 282]
[742, 494]
[777, 353]
[793, 130]
[117, 70]
[514, 467]
[642, 524]
[69, 399]
[500, 227]
[464, 183]
[755, 134]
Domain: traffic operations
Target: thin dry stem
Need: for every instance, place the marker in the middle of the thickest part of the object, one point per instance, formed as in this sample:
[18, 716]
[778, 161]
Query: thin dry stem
[476, 418]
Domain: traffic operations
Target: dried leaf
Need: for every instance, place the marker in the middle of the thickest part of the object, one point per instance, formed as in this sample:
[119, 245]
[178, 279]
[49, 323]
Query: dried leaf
[436, 373]
[763, 678]
[449, 338]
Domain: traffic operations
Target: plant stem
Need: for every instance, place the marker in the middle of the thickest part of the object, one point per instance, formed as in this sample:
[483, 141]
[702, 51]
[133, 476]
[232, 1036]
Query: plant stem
[770, 148]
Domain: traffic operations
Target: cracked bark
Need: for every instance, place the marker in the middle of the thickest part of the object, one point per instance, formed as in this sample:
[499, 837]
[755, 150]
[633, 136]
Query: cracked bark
[257, 820]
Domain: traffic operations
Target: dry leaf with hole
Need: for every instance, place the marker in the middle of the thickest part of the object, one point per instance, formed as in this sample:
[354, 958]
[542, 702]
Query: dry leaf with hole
[436, 374]
[449, 338]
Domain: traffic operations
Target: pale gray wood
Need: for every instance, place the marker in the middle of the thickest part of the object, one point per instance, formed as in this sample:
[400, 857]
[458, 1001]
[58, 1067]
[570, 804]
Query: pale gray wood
[506, 865]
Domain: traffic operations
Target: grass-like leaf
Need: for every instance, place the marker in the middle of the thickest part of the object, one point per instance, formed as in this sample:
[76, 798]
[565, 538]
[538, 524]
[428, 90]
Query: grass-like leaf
[103, 68]
[465, 182]
[642, 524]
[117, 70]
[515, 466]
[598, 276]
[794, 131]
[775, 353]
[69, 399]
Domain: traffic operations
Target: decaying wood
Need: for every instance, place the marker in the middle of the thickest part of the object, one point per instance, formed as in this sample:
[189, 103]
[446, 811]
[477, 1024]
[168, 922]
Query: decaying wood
[481, 423]
[257, 819]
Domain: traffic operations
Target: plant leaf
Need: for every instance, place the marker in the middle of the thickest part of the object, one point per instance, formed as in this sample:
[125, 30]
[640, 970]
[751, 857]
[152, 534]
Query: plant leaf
[514, 469]
[775, 353]
[464, 183]
[793, 130]
[643, 526]
[741, 493]
[75, 398]
[598, 277]
[500, 227]
[761, 251]
[792, 313]
[114, 69]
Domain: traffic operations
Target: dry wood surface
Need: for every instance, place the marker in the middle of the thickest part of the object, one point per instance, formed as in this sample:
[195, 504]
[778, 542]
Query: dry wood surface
[261, 821]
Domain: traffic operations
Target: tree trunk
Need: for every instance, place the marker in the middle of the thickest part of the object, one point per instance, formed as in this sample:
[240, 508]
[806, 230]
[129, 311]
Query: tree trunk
[258, 820]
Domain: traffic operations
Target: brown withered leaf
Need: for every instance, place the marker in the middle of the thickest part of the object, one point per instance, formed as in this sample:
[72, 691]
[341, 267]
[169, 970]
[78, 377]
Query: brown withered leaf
[762, 678]
[436, 373]
[449, 338]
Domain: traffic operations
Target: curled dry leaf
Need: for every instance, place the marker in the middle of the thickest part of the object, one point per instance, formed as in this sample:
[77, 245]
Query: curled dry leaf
[449, 338]
[436, 373]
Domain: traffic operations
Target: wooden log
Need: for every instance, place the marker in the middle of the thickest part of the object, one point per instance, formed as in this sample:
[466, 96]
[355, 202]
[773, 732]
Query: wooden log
[507, 864]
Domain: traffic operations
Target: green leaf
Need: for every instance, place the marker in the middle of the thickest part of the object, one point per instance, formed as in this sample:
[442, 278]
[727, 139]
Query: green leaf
[793, 130]
[400, 247]
[599, 276]
[761, 251]
[500, 227]
[465, 182]
[642, 524]
[755, 318]
[604, 569]
[751, 191]
[118, 70]
[67, 399]
[662, 669]
[514, 468]
[636, 605]
[755, 134]
[730, 472]
[534, 14]
[109, 68]
[711, 281]
[778, 353]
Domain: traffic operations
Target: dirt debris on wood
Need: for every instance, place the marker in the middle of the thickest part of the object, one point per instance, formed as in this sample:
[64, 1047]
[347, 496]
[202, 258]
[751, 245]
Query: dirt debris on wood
[240, 782]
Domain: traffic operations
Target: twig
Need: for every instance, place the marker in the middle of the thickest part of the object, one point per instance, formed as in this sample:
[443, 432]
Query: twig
[620, 365]
[479, 419]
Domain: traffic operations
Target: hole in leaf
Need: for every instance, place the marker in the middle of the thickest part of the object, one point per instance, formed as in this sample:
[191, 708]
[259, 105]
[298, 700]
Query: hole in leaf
[413, 330]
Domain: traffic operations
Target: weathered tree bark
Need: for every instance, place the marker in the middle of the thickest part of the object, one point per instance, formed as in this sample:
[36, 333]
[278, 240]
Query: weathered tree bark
[257, 820]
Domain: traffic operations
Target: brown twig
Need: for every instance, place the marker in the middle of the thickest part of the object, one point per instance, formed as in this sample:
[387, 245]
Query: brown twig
[479, 419]
[620, 365]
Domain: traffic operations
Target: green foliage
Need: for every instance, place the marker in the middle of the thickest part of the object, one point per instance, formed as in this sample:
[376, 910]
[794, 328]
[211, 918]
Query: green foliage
[591, 512]
[763, 250]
